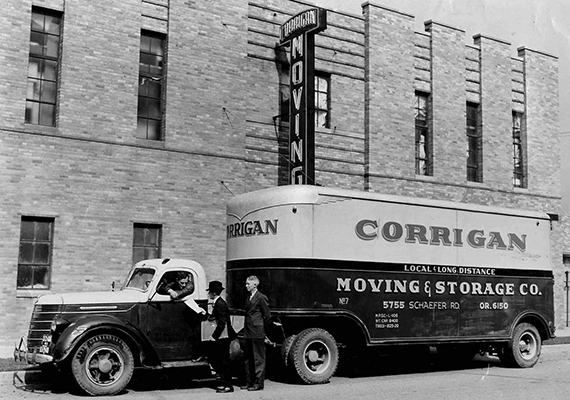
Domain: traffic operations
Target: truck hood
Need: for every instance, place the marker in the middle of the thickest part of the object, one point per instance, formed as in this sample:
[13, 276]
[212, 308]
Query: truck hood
[123, 296]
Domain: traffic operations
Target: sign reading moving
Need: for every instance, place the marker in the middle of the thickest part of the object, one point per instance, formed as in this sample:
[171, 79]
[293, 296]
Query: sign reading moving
[299, 32]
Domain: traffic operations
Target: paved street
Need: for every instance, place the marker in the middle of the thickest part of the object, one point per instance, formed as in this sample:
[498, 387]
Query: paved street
[484, 378]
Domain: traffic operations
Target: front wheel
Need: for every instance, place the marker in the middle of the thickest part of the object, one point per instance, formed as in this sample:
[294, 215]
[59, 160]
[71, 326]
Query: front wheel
[103, 365]
[523, 350]
[314, 355]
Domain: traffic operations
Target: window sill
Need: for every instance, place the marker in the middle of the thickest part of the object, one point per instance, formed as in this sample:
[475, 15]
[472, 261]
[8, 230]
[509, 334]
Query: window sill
[425, 177]
[31, 293]
[157, 144]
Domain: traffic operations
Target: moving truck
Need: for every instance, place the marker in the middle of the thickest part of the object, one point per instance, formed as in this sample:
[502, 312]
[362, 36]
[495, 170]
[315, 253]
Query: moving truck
[356, 270]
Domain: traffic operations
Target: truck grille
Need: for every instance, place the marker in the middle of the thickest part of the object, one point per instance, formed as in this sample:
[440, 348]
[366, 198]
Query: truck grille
[40, 323]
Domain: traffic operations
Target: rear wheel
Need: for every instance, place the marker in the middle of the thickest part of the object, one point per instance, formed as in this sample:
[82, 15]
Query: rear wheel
[103, 365]
[314, 355]
[523, 350]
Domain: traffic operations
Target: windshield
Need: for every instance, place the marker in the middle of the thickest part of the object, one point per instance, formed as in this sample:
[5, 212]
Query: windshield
[140, 279]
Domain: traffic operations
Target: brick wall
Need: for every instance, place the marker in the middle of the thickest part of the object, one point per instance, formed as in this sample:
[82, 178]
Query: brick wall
[95, 178]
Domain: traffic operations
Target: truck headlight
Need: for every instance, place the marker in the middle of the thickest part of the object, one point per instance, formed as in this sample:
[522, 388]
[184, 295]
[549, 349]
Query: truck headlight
[58, 325]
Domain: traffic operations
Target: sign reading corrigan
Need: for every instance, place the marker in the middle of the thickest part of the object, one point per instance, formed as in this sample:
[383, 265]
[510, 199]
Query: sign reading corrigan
[299, 32]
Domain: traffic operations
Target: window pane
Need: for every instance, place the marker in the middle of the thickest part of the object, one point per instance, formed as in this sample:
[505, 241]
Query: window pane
[41, 278]
[322, 101]
[150, 237]
[52, 24]
[49, 70]
[141, 128]
[48, 92]
[153, 108]
[472, 159]
[52, 49]
[145, 43]
[139, 236]
[321, 84]
[142, 107]
[33, 92]
[41, 253]
[27, 230]
[43, 230]
[321, 119]
[143, 86]
[156, 68]
[154, 89]
[153, 132]
[147, 59]
[47, 114]
[35, 68]
[37, 21]
[37, 41]
[156, 46]
[24, 279]
[32, 112]
[26, 253]
[151, 253]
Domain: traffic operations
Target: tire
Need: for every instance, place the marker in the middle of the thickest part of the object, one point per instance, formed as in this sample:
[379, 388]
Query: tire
[286, 357]
[523, 350]
[103, 365]
[314, 355]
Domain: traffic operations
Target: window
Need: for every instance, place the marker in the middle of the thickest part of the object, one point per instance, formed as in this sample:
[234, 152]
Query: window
[518, 152]
[322, 100]
[149, 124]
[43, 67]
[34, 260]
[146, 243]
[473, 144]
[322, 104]
[423, 139]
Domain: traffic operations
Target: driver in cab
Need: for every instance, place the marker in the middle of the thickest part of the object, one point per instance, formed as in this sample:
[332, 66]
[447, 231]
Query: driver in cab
[180, 287]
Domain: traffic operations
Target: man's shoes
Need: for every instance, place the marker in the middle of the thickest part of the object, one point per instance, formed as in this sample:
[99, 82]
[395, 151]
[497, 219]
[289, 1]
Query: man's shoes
[225, 389]
[253, 388]
[244, 387]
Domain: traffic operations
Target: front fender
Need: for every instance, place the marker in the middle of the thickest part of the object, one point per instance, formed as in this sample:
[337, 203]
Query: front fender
[84, 327]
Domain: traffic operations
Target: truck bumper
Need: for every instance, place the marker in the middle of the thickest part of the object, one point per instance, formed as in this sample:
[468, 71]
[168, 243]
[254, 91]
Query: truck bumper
[22, 354]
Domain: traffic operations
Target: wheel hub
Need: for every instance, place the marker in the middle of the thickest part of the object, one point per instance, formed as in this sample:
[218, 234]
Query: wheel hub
[105, 366]
[313, 356]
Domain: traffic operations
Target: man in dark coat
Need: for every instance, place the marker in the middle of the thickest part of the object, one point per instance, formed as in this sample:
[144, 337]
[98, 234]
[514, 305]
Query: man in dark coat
[219, 354]
[257, 317]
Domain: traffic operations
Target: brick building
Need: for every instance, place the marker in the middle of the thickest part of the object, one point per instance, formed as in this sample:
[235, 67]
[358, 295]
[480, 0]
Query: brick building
[126, 126]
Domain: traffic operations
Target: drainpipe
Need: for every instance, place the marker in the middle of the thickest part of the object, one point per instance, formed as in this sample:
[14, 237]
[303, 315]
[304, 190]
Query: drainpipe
[567, 288]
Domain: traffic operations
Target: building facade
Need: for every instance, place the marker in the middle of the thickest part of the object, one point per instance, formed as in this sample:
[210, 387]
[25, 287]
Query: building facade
[126, 126]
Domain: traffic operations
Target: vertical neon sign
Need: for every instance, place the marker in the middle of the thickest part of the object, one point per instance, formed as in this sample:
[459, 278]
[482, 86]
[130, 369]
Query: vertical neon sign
[299, 32]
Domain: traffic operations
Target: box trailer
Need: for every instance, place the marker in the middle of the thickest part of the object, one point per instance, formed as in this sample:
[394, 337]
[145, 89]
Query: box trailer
[354, 270]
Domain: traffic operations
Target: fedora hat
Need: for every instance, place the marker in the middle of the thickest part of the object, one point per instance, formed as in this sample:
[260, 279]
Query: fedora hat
[215, 286]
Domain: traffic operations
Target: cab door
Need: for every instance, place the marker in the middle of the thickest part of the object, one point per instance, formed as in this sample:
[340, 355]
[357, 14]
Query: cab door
[172, 327]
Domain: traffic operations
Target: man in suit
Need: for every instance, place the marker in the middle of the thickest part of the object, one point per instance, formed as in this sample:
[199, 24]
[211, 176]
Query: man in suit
[219, 354]
[257, 317]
